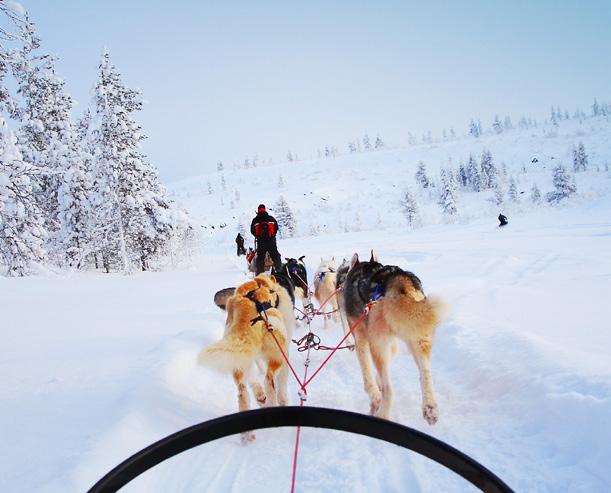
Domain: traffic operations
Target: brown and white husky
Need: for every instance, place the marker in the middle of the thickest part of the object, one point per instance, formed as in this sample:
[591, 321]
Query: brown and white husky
[402, 311]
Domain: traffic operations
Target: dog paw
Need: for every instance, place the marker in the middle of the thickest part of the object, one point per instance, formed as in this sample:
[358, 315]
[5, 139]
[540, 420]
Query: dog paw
[430, 412]
[374, 405]
[261, 398]
[248, 437]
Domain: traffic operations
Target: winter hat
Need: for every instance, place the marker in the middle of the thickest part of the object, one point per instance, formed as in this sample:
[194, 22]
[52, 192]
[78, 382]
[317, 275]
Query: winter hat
[261, 208]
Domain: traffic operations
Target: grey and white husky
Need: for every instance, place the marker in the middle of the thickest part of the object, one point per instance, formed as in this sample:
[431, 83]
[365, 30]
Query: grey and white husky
[401, 311]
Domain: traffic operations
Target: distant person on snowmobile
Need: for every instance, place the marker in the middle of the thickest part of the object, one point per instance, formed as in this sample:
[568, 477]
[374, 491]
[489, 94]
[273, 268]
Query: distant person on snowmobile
[240, 244]
[503, 220]
[264, 228]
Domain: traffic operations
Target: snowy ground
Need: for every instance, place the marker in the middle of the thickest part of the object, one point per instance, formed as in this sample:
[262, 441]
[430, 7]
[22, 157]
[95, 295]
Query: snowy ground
[95, 367]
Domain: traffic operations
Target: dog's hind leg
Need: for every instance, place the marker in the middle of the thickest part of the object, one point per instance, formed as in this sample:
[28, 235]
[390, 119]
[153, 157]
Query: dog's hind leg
[270, 385]
[421, 351]
[282, 384]
[381, 353]
[243, 402]
[371, 387]
[257, 388]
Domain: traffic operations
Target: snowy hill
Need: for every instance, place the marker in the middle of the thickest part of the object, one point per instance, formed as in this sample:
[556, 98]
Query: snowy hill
[96, 367]
[361, 191]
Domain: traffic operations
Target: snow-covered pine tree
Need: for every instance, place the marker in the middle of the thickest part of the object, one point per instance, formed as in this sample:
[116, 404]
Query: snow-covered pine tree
[410, 210]
[22, 233]
[535, 194]
[286, 220]
[411, 139]
[280, 182]
[133, 220]
[580, 158]
[463, 178]
[219, 166]
[498, 197]
[289, 157]
[473, 175]
[351, 147]
[563, 184]
[512, 191]
[497, 126]
[421, 177]
[379, 144]
[448, 198]
[507, 123]
[223, 183]
[210, 190]
[50, 141]
[473, 129]
[366, 142]
[489, 174]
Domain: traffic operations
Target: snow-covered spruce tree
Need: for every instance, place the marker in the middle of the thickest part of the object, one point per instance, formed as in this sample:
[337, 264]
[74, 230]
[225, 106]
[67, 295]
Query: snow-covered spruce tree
[473, 175]
[379, 144]
[512, 191]
[580, 158]
[410, 210]
[351, 147]
[489, 173]
[463, 178]
[563, 184]
[507, 124]
[280, 182]
[49, 141]
[535, 194]
[219, 166]
[448, 198]
[498, 197]
[209, 188]
[22, 233]
[474, 129]
[421, 177]
[497, 126]
[366, 143]
[286, 220]
[133, 221]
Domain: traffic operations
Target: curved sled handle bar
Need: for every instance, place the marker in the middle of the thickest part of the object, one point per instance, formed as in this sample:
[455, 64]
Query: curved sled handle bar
[317, 417]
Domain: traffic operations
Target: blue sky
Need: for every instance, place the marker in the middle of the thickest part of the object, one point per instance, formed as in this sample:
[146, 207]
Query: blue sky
[227, 80]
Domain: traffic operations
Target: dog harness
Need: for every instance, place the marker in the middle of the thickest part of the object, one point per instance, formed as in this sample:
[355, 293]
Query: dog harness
[261, 306]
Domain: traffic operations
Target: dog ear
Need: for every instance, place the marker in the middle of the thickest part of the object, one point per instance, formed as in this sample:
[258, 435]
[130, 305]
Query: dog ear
[272, 277]
[374, 257]
[354, 261]
[301, 258]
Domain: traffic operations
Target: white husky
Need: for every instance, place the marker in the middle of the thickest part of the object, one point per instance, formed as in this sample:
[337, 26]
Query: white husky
[324, 287]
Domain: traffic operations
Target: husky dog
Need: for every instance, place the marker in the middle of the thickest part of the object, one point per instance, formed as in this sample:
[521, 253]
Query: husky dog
[296, 270]
[324, 288]
[402, 311]
[252, 263]
[340, 279]
[251, 312]
[282, 285]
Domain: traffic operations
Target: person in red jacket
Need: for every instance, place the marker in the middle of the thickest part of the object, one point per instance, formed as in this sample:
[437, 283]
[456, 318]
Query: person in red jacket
[264, 228]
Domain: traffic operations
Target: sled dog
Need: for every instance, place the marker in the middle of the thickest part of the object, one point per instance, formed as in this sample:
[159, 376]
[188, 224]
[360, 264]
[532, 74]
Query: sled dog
[251, 312]
[324, 289]
[296, 270]
[252, 263]
[403, 312]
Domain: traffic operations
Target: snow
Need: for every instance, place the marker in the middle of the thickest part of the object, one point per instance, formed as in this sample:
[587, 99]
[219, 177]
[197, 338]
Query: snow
[96, 367]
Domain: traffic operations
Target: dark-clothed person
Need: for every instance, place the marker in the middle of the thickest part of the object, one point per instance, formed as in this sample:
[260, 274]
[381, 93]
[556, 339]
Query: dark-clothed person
[240, 244]
[264, 228]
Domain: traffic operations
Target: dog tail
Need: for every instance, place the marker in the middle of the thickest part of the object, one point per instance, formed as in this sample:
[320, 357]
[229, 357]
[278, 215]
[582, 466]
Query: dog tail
[411, 315]
[221, 297]
[228, 354]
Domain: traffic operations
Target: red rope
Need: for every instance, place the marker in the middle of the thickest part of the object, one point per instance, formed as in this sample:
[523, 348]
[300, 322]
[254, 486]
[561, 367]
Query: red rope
[306, 381]
[354, 326]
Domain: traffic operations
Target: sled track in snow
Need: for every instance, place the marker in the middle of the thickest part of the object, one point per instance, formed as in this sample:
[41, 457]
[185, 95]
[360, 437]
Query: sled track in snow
[316, 417]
